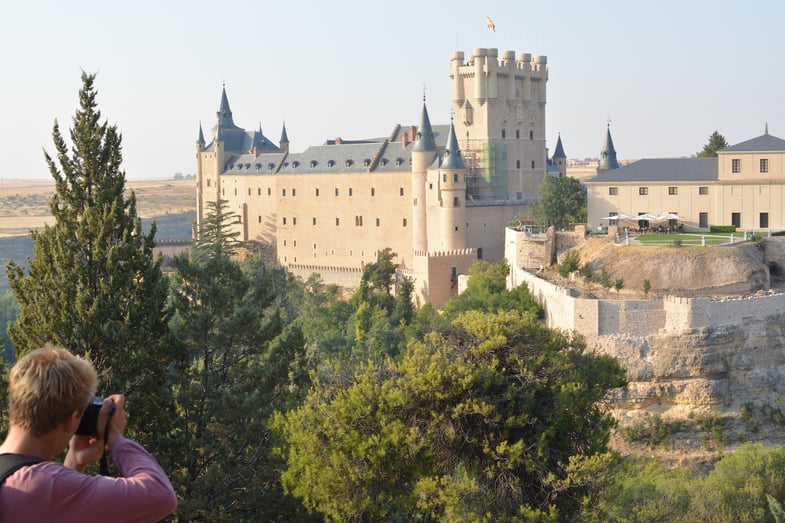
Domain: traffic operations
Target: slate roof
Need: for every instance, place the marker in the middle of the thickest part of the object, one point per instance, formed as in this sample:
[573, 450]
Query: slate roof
[452, 153]
[662, 170]
[765, 142]
[559, 152]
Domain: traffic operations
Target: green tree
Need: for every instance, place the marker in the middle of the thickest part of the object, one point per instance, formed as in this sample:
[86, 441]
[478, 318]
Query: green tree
[9, 308]
[477, 422]
[560, 201]
[241, 364]
[487, 291]
[716, 142]
[93, 285]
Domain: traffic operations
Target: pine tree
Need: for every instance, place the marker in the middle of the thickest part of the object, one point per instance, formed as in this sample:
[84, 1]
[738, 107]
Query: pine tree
[94, 285]
[238, 369]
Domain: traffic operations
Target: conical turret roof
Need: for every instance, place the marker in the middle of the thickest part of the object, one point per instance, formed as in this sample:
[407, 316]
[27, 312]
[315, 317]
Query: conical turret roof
[284, 136]
[452, 154]
[608, 154]
[424, 140]
[224, 113]
[200, 140]
[559, 152]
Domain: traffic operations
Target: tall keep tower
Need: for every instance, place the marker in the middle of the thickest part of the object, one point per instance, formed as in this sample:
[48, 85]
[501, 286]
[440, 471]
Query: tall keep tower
[501, 123]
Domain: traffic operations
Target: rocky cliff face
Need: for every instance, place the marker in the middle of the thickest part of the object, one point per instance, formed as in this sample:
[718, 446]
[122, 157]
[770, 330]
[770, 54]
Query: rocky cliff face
[732, 369]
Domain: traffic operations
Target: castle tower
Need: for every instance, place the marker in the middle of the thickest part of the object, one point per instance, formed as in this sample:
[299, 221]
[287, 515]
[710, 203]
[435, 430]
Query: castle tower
[501, 129]
[608, 154]
[452, 196]
[423, 155]
[199, 178]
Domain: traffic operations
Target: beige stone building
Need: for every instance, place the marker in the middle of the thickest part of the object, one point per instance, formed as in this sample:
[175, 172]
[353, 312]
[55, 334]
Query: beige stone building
[438, 195]
[743, 186]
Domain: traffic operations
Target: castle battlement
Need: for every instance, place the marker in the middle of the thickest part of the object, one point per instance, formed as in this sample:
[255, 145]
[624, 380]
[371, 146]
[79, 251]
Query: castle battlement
[440, 254]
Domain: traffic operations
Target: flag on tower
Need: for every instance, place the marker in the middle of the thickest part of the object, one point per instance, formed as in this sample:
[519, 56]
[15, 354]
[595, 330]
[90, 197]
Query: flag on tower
[491, 25]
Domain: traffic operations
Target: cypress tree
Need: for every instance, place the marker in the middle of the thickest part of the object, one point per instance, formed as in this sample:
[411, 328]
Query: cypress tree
[94, 285]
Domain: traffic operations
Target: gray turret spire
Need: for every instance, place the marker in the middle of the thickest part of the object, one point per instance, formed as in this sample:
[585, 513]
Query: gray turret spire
[559, 152]
[608, 155]
[200, 140]
[284, 136]
[424, 140]
[224, 113]
[452, 154]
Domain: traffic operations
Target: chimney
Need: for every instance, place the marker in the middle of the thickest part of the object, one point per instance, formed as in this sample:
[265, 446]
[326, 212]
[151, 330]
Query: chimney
[255, 151]
[404, 139]
[412, 132]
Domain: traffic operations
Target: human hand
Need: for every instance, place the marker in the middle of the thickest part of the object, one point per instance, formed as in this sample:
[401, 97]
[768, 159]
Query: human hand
[83, 450]
[117, 422]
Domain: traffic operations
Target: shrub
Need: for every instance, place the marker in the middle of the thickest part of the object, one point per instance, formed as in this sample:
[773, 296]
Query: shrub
[587, 271]
[570, 263]
[652, 431]
[646, 286]
[722, 228]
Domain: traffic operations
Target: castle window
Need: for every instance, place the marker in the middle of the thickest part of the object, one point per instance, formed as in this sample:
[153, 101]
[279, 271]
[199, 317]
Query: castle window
[479, 253]
[673, 191]
[378, 221]
[430, 186]
[532, 164]
[735, 219]
[531, 135]
[455, 177]
[414, 202]
[613, 191]
[223, 192]
[764, 165]
[703, 191]
[643, 191]
[444, 177]
[294, 244]
[314, 246]
[351, 191]
[517, 134]
[401, 191]
[284, 220]
[258, 166]
[314, 220]
[764, 220]
[384, 161]
[398, 161]
[336, 191]
[208, 182]
[330, 163]
[294, 191]
[504, 134]
[269, 191]
[358, 221]
[295, 164]
[271, 166]
[283, 192]
[294, 220]
[249, 191]
[517, 164]
[314, 163]
[317, 191]
[373, 191]
[259, 191]
[260, 219]
[337, 221]
[348, 163]
[235, 191]
[456, 202]
[453, 273]
[366, 162]
[404, 222]
[735, 165]
[284, 243]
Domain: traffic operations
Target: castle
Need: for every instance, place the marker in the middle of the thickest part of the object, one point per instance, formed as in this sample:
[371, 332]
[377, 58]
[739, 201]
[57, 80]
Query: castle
[439, 196]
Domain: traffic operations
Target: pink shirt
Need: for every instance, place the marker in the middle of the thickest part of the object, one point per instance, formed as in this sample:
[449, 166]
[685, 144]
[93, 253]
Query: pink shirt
[49, 491]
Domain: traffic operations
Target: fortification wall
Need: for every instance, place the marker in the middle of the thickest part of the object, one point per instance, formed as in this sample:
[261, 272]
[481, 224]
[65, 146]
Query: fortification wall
[343, 276]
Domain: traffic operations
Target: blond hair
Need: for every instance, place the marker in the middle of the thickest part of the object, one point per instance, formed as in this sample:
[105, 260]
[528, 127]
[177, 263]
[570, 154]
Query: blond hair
[48, 385]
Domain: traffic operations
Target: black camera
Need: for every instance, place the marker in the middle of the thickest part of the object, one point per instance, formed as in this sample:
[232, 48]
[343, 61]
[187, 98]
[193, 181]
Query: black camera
[88, 426]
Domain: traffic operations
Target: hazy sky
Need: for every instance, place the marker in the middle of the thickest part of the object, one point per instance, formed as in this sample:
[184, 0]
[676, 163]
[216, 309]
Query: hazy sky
[666, 73]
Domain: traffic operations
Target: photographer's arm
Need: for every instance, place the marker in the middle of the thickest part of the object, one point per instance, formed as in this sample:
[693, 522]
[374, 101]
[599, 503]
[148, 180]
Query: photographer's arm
[83, 450]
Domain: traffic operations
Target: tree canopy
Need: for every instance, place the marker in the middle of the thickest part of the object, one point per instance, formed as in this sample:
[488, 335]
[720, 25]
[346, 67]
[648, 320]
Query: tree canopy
[560, 201]
[716, 142]
[94, 285]
[475, 422]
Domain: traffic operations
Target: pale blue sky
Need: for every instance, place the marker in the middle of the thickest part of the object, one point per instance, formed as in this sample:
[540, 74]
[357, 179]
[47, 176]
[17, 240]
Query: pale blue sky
[666, 73]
